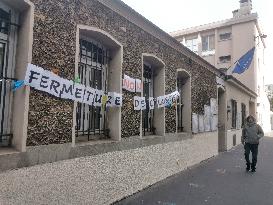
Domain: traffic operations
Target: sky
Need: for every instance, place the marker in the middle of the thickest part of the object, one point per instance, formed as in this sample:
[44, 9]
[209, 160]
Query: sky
[173, 15]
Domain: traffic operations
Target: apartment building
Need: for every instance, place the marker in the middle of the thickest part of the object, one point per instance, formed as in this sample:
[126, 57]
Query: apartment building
[222, 44]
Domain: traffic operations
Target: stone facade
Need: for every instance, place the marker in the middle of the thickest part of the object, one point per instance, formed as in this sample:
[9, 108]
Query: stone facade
[54, 46]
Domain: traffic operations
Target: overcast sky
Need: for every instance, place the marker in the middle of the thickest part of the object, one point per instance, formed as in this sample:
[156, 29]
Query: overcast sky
[172, 15]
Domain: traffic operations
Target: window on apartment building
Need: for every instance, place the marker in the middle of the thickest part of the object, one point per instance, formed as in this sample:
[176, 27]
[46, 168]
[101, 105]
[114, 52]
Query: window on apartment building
[225, 59]
[192, 44]
[225, 36]
[208, 43]
[243, 110]
[233, 114]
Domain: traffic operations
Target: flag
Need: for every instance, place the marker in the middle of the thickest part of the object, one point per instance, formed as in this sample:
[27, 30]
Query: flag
[17, 84]
[244, 62]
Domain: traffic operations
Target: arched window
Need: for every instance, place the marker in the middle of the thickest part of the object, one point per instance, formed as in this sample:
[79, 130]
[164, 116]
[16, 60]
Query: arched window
[153, 75]
[184, 101]
[99, 66]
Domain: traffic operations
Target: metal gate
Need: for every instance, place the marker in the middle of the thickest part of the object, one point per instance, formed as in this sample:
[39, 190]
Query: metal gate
[93, 66]
[6, 69]
[180, 106]
[147, 115]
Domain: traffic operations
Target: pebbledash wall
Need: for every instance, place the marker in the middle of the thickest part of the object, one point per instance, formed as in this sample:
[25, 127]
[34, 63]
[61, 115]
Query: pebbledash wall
[50, 135]
[54, 46]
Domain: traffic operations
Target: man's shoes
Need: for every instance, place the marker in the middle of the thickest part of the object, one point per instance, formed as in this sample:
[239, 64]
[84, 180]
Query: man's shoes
[247, 167]
[253, 170]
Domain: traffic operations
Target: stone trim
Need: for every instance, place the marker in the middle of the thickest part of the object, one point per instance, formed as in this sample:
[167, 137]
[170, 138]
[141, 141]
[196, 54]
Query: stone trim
[114, 81]
[23, 57]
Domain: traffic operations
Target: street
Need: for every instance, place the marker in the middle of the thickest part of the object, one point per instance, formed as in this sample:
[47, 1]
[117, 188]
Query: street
[219, 181]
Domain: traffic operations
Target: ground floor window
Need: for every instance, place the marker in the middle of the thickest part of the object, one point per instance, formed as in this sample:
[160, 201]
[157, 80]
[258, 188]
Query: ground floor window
[93, 72]
[180, 105]
[8, 31]
[148, 90]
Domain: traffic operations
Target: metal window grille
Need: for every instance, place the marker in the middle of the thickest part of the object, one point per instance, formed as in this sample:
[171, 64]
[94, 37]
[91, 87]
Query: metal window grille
[93, 67]
[234, 113]
[180, 106]
[6, 69]
[147, 115]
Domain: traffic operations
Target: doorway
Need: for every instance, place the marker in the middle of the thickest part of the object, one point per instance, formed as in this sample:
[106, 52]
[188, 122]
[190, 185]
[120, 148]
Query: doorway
[221, 120]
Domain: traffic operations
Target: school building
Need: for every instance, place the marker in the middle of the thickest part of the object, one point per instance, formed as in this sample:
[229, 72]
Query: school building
[90, 45]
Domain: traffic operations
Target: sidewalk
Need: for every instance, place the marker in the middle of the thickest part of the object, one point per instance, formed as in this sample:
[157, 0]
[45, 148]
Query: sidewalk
[219, 181]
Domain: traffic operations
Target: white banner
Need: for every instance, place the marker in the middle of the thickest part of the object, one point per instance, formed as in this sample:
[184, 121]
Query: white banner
[151, 103]
[49, 82]
[129, 84]
[139, 103]
[138, 86]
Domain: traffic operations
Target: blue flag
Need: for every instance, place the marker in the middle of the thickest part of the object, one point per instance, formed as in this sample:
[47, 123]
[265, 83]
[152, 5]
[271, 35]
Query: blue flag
[244, 62]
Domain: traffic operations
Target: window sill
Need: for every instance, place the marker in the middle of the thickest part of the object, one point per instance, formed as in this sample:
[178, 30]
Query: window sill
[228, 39]
[208, 53]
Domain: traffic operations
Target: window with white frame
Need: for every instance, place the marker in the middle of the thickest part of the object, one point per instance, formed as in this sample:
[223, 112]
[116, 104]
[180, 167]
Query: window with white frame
[208, 43]
[225, 59]
[192, 44]
[225, 36]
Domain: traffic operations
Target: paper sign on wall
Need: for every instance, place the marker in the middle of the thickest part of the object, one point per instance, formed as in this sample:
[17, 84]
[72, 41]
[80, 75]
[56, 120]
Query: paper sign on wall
[194, 123]
[201, 123]
[207, 118]
[129, 84]
[151, 103]
[49, 82]
[139, 103]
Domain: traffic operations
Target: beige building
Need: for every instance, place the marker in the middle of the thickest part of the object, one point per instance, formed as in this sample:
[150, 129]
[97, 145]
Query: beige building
[222, 44]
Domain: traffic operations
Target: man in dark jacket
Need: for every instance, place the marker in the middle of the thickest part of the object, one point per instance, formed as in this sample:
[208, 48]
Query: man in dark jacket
[251, 135]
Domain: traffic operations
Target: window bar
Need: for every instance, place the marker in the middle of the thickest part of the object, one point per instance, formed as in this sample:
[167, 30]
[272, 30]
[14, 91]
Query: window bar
[78, 113]
[94, 108]
[105, 77]
[82, 104]
[89, 108]
[100, 86]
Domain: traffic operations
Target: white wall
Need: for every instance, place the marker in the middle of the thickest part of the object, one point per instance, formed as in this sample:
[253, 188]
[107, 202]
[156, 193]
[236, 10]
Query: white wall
[103, 179]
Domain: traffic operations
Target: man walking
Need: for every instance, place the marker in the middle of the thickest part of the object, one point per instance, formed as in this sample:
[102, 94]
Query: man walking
[251, 135]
